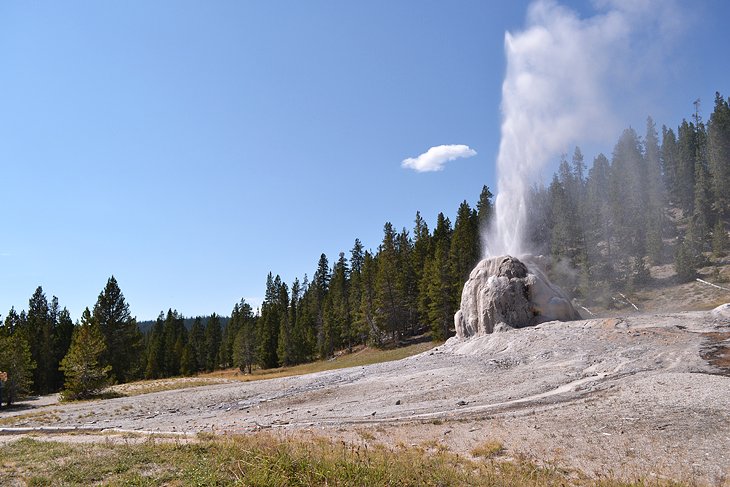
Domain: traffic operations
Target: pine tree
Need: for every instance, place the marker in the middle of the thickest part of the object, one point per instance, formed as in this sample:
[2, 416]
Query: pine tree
[368, 302]
[718, 151]
[212, 342]
[305, 323]
[174, 340]
[688, 255]
[485, 209]
[627, 201]
[389, 296]
[439, 282]
[670, 164]
[656, 194]
[408, 284]
[340, 330]
[684, 180]
[320, 289]
[268, 325]
[561, 237]
[464, 248]
[63, 332]
[358, 332]
[285, 345]
[122, 338]
[39, 333]
[719, 239]
[421, 253]
[187, 362]
[155, 353]
[198, 352]
[442, 303]
[16, 360]
[84, 376]
[12, 323]
[244, 346]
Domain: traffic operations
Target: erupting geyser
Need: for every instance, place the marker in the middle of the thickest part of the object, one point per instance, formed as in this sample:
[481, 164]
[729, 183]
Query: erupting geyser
[504, 292]
[559, 89]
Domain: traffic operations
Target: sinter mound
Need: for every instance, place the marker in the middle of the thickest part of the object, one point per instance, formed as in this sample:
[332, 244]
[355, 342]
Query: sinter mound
[504, 292]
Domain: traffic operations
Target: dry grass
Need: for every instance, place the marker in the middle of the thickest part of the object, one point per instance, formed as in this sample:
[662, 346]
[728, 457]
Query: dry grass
[488, 449]
[363, 356]
[663, 294]
[158, 385]
[42, 417]
[262, 460]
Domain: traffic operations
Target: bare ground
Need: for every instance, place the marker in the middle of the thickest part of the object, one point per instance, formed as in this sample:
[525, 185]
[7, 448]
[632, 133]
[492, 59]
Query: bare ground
[641, 396]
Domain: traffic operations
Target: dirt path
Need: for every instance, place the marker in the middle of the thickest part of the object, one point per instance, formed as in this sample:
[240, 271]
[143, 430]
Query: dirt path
[632, 396]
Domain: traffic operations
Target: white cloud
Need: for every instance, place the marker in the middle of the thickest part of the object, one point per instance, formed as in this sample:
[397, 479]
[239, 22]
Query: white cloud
[435, 157]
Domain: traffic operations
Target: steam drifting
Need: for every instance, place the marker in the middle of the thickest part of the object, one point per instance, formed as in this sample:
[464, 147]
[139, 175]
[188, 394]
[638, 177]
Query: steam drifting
[435, 157]
[563, 77]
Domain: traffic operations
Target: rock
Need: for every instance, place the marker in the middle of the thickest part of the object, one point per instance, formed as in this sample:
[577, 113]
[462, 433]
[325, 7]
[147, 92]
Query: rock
[504, 292]
[722, 311]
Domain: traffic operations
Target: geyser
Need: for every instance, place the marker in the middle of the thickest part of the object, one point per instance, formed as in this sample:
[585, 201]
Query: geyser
[568, 80]
[505, 292]
[565, 78]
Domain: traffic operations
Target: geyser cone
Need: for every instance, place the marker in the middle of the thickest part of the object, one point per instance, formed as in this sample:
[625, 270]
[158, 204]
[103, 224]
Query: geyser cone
[506, 291]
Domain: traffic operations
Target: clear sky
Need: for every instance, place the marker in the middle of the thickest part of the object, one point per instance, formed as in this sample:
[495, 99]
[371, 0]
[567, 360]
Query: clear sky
[189, 148]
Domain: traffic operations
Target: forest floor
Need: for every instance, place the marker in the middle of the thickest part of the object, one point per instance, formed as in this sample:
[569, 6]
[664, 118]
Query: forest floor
[640, 395]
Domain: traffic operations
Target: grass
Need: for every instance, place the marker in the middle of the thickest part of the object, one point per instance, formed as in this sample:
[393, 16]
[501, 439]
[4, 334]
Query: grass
[488, 449]
[361, 357]
[263, 460]
[43, 417]
[159, 385]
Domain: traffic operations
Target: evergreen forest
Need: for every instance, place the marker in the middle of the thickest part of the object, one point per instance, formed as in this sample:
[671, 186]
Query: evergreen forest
[662, 197]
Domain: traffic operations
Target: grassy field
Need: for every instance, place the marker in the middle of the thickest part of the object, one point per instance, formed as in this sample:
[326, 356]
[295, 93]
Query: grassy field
[359, 357]
[363, 356]
[263, 460]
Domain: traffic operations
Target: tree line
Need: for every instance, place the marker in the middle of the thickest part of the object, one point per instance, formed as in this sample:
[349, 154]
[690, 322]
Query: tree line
[661, 198]
[43, 351]
[409, 286]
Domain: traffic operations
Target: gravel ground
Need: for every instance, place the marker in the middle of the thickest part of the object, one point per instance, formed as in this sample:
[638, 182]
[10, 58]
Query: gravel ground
[637, 396]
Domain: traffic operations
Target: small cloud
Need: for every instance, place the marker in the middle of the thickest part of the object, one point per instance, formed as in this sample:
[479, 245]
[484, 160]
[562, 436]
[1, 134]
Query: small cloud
[435, 157]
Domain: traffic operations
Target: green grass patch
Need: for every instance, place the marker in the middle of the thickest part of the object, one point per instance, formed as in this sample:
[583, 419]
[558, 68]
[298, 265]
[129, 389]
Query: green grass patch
[263, 460]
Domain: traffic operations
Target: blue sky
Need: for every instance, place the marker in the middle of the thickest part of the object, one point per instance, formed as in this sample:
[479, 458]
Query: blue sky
[189, 148]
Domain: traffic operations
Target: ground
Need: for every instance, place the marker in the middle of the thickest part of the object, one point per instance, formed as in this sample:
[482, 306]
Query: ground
[641, 395]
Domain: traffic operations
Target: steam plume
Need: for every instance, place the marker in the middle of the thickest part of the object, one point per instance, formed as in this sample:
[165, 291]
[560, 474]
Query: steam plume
[564, 76]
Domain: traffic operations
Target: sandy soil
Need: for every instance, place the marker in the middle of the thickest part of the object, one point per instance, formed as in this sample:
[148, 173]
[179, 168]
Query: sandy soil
[645, 395]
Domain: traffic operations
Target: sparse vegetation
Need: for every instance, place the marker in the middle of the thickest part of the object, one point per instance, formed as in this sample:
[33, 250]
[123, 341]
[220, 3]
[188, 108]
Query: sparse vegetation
[361, 357]
[263, 460]
[44, 417]
[488, 449]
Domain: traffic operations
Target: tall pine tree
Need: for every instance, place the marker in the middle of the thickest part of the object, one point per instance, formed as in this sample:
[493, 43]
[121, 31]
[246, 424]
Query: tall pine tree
[122, 338]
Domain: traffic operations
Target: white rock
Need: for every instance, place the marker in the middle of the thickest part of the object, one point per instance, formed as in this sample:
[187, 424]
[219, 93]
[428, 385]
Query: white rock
[510, 293]
[722, 311]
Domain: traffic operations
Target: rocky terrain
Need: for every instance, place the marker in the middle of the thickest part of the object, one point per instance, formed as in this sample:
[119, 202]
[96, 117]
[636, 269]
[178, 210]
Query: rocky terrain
[642, 395]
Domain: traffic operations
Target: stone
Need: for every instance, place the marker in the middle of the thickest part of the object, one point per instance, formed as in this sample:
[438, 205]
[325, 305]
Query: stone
[722, 311]
[504, 292]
